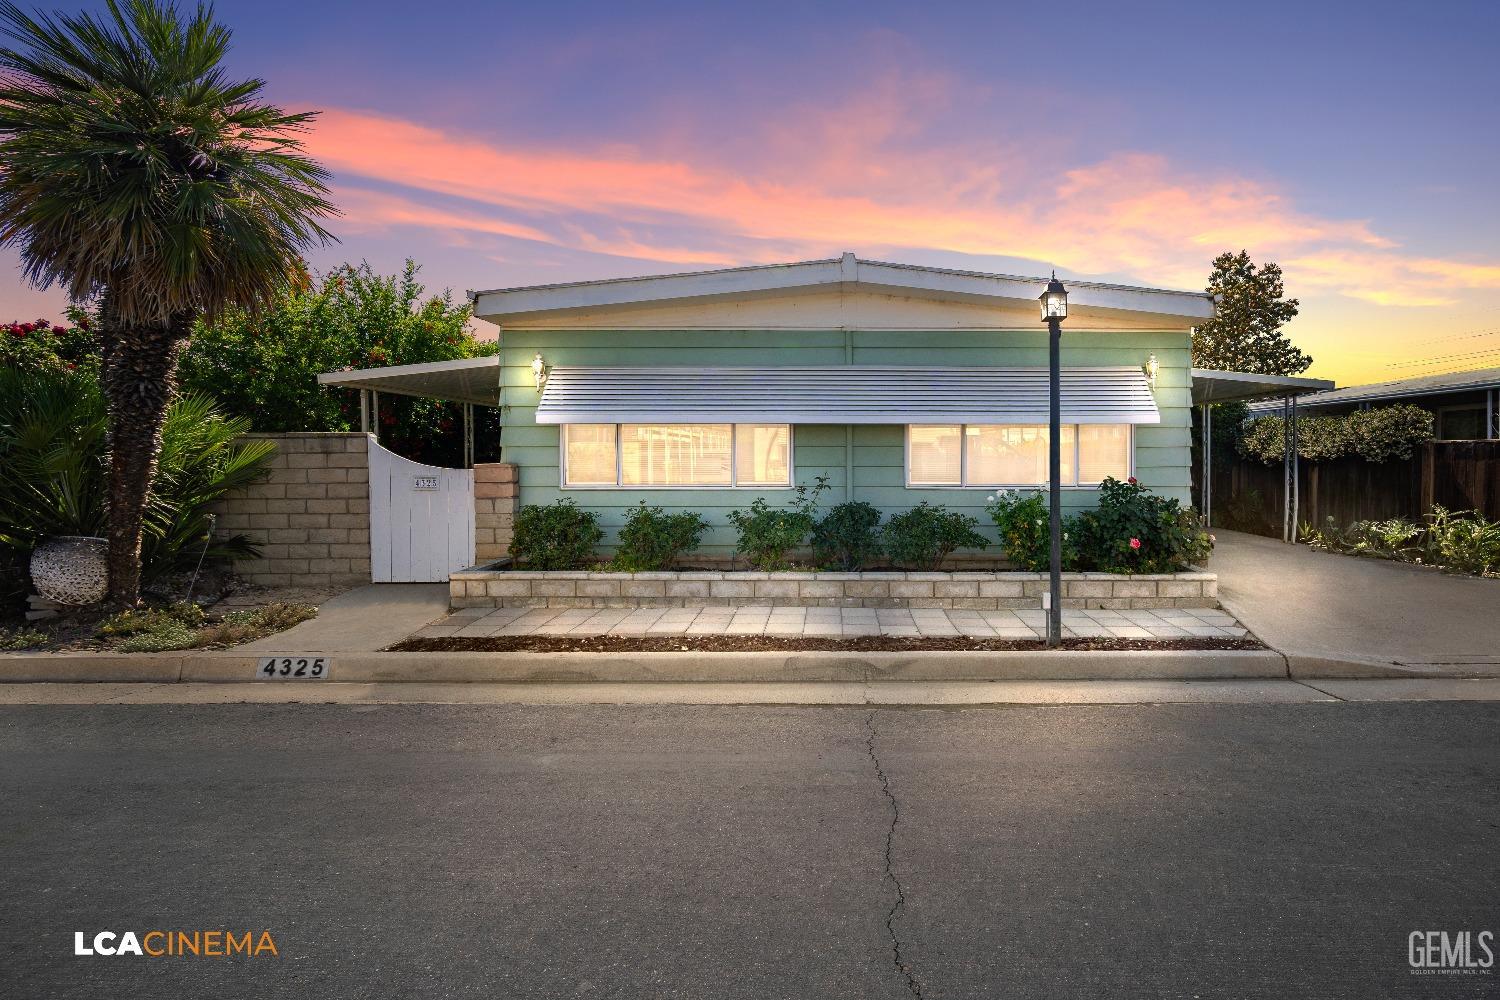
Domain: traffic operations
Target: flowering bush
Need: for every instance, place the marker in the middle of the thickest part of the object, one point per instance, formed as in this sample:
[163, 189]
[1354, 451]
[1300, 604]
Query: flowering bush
[1135, 531]
[1024, 521]
[41, 344]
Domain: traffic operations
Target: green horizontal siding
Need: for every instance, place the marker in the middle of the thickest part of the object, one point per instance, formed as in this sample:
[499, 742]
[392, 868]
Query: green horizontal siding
[875, 453]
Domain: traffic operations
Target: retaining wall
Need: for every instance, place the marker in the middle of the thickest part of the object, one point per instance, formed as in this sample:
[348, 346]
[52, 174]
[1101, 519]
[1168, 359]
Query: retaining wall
[708, 588]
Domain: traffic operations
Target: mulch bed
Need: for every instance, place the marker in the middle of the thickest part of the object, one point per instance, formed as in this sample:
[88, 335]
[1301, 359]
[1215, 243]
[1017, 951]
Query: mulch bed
[786, 644]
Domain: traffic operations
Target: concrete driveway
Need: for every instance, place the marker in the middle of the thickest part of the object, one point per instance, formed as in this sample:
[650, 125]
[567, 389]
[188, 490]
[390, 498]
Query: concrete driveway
[1330, 614]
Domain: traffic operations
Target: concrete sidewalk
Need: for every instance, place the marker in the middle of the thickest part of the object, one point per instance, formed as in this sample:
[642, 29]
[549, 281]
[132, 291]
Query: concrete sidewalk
[362, 620]
[1333, 615]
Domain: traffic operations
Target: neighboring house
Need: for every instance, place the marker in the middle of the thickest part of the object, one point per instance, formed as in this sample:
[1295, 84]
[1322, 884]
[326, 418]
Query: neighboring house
[1465, 405]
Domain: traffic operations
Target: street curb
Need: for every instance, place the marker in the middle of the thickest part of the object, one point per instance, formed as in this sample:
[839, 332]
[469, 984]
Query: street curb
[695, 667]
[1311, 666]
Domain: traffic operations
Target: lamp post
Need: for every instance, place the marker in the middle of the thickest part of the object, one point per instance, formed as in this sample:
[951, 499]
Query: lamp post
[1054, 310]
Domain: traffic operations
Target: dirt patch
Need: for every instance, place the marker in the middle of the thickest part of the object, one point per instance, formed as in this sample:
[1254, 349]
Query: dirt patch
[786, 644]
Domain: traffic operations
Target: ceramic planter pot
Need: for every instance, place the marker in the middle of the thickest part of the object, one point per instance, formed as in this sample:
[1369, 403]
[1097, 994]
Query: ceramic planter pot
[71, 569]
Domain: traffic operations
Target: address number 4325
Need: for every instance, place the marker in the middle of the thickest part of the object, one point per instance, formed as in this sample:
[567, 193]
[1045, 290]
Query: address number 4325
[293, 668]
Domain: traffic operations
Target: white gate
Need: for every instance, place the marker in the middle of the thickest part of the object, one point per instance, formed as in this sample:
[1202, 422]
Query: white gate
[421, 519]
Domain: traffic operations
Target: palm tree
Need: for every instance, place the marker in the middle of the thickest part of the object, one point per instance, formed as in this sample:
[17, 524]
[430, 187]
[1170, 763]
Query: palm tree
[134, 172]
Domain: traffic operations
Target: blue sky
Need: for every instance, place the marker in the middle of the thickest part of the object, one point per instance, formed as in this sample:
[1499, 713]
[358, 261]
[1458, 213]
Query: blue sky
[504, 144]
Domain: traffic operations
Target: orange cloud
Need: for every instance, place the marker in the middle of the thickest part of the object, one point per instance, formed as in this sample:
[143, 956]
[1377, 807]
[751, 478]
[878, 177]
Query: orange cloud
[861, 176]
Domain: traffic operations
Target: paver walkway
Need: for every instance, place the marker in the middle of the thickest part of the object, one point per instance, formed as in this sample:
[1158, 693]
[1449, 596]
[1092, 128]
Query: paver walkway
[1165, 623]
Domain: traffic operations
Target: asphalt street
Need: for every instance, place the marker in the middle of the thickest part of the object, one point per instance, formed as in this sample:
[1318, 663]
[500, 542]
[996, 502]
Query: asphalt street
[1190, 850]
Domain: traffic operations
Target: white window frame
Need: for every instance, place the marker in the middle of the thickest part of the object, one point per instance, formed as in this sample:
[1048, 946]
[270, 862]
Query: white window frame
[963, 459]
[734, 473]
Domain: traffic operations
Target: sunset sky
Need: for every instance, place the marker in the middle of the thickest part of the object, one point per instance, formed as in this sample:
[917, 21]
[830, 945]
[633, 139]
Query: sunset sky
[506, 144]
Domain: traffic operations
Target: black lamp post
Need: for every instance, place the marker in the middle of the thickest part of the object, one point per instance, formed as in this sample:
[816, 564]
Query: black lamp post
[1054, 310]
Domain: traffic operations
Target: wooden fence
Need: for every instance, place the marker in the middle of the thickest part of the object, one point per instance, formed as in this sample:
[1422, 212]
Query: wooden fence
[1459, 475]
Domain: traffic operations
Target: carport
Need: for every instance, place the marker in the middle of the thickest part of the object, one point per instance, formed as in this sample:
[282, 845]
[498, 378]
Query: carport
[469, 382]
[1210, 387]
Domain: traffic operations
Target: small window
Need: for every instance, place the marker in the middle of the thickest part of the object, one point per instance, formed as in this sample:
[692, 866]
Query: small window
[935, 455]
[990, 455]
[677, 455]
[762, 455]
[589, 454]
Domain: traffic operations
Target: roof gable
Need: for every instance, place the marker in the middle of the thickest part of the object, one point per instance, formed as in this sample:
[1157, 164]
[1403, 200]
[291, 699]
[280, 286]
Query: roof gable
[835, 293]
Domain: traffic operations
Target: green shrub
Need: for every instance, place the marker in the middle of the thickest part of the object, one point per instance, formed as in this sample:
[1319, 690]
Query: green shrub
[846, 538]
[768, 535]
[654, 540]
[1375, 435]
[169, 634]
[1464, 541]
[555, 536]
[53, 470]
[134, 621]
[1383, 433]
[1389, 539]
[15, 640]
[926, 535]
[1024, 521]
[1136, 531]
[263, 364]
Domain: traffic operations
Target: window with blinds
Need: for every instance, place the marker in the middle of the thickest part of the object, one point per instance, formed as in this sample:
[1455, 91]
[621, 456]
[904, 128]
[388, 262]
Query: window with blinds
[988, 455]
[677, 455]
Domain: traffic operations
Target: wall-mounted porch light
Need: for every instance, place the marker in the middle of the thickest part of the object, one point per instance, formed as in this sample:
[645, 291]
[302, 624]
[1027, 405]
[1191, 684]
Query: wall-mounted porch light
[539, 370]
[1151, 368]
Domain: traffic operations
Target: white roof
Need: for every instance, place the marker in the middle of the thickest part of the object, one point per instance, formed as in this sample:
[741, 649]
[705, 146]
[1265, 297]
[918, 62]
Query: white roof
[841, 394]
[1173, 308]
[1406, 388]
[465, 380]
[1226, 387]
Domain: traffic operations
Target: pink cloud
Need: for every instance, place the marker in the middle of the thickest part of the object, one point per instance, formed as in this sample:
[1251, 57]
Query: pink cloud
[864, 175]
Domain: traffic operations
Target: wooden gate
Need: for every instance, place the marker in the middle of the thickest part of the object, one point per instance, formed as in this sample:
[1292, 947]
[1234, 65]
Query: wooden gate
[421, 519]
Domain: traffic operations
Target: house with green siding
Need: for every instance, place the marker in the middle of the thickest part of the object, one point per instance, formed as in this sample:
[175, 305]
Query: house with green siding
[894, 384]
[888, 383]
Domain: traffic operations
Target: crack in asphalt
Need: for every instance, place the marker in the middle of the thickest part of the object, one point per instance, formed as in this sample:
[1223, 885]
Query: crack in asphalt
[902, 966]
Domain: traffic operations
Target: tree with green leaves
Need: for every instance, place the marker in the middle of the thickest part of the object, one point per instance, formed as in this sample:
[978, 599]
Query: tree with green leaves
[134, 171]
[264, 364]
[1246, 335]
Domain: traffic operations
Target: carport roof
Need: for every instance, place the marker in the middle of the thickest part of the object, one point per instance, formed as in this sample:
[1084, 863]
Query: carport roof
[1227, 387]
[466, 380]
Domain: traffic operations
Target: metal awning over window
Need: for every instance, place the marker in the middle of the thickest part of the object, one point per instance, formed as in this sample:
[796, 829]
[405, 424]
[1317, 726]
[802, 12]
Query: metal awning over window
[850, 394]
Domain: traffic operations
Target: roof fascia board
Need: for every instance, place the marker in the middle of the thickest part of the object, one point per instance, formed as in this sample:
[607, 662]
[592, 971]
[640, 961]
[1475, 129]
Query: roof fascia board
[847, 272]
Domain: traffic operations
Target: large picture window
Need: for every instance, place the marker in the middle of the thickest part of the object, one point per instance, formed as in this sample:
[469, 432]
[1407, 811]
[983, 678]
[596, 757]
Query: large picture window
[988, 455]
[676, 455]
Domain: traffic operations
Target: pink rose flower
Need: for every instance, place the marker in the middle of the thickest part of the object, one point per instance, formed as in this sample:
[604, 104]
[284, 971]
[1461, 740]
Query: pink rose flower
[1135, 543]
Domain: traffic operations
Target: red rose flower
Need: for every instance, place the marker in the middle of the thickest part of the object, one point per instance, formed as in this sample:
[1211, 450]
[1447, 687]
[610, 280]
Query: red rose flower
[1135, 543]
[1131, 480]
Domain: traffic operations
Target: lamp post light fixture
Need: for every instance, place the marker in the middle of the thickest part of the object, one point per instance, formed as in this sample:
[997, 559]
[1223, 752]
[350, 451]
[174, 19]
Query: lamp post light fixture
[1054, 310]
[539, 370]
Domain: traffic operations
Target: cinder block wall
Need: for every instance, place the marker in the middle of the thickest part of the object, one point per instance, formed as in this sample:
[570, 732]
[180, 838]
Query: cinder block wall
[311, 517]
[495, 489]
